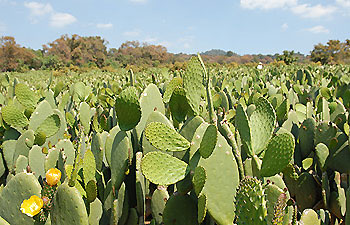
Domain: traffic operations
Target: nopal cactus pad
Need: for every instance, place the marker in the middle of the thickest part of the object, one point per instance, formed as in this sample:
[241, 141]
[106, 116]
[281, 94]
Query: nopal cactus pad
[208, 142]
[19, 188]
[13, 116]
[161, 168]
[262, 122]
[250, 202]
[50, 125]
[26, 96]
[128, 109]
[165, 138]
[278, 154]
[68, 207]
[193, 83]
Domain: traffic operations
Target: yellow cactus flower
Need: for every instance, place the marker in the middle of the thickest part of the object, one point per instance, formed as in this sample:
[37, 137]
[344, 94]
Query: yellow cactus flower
[32, 206]
[53, 175]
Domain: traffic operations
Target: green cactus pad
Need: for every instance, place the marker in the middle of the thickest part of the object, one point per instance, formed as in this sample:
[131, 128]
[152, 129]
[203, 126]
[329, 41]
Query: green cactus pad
[24, 144]
[180, 205]
[310, 217]
[13, 116]
[262, 123]
[165, 138]
[173, 84]
[159, 198]
[278, 154]
[208, 142]
[19, 188]
[120, 208]
[222, 171]
[128, 109]
[202, 208]
[150, 101]
[91, 191]
[9, 148]
[178, 104]
[242, 124]
[324, 133]
[154, 117]
[198, 180]
[89, 166]
[161, 168]
[193, 85]
[67, 147]
[250, 202]
[306, 136]
[49, 126]
[97, 148]
[68, 207]
[40, 138]
[308, 192]
[42, 111]
[322, 154]
[36, 161]
[109, 143]
[85, 116]
[120, 157]
[140, 193]
[95, 212]
[276, 203]
[26, 96]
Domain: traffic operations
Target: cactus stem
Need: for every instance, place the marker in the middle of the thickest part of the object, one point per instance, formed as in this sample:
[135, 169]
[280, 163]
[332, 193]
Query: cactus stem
[230, 138]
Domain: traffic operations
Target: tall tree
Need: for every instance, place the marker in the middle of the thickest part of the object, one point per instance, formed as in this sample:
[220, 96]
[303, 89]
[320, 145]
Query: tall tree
[12, 55]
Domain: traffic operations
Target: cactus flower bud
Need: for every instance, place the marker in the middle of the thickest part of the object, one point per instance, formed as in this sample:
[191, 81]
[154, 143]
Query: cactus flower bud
[53, 175]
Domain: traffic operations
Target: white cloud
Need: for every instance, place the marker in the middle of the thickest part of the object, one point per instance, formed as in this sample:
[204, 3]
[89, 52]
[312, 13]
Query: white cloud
[318, 30]
[317, 11]
[343, 3]
[104, 25]
[267, 4]
[57, 19]
[132, 33]
[38, 9]
[284, 26]
[61, 19]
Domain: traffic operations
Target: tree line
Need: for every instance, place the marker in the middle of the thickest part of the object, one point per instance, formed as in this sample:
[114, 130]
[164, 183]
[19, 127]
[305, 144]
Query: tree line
[92, 51]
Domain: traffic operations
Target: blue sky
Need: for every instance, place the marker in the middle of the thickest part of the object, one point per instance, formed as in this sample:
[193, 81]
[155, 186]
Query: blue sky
[190, 26]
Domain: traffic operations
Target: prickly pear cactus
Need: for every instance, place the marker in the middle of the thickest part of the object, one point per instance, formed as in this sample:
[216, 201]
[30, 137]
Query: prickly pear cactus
[68, 207]
[26, 96]
[180, 205]
[13, 116]
[165, 138]
[278, 154]
[193, 83]
[163, 169]
[19, 188]
[250, 202]
[128, 109]
[173, 84]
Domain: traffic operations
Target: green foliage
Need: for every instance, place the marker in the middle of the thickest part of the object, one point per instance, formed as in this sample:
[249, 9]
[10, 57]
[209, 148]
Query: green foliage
[128, 109]
[163, 169]
[165, 138]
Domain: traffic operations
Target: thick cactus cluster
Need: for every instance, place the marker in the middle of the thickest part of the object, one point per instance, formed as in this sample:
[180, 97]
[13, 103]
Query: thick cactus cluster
[250, 202]
[205, 144]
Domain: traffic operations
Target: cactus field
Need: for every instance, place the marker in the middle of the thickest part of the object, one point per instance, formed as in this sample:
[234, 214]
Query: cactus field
[205, 144]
